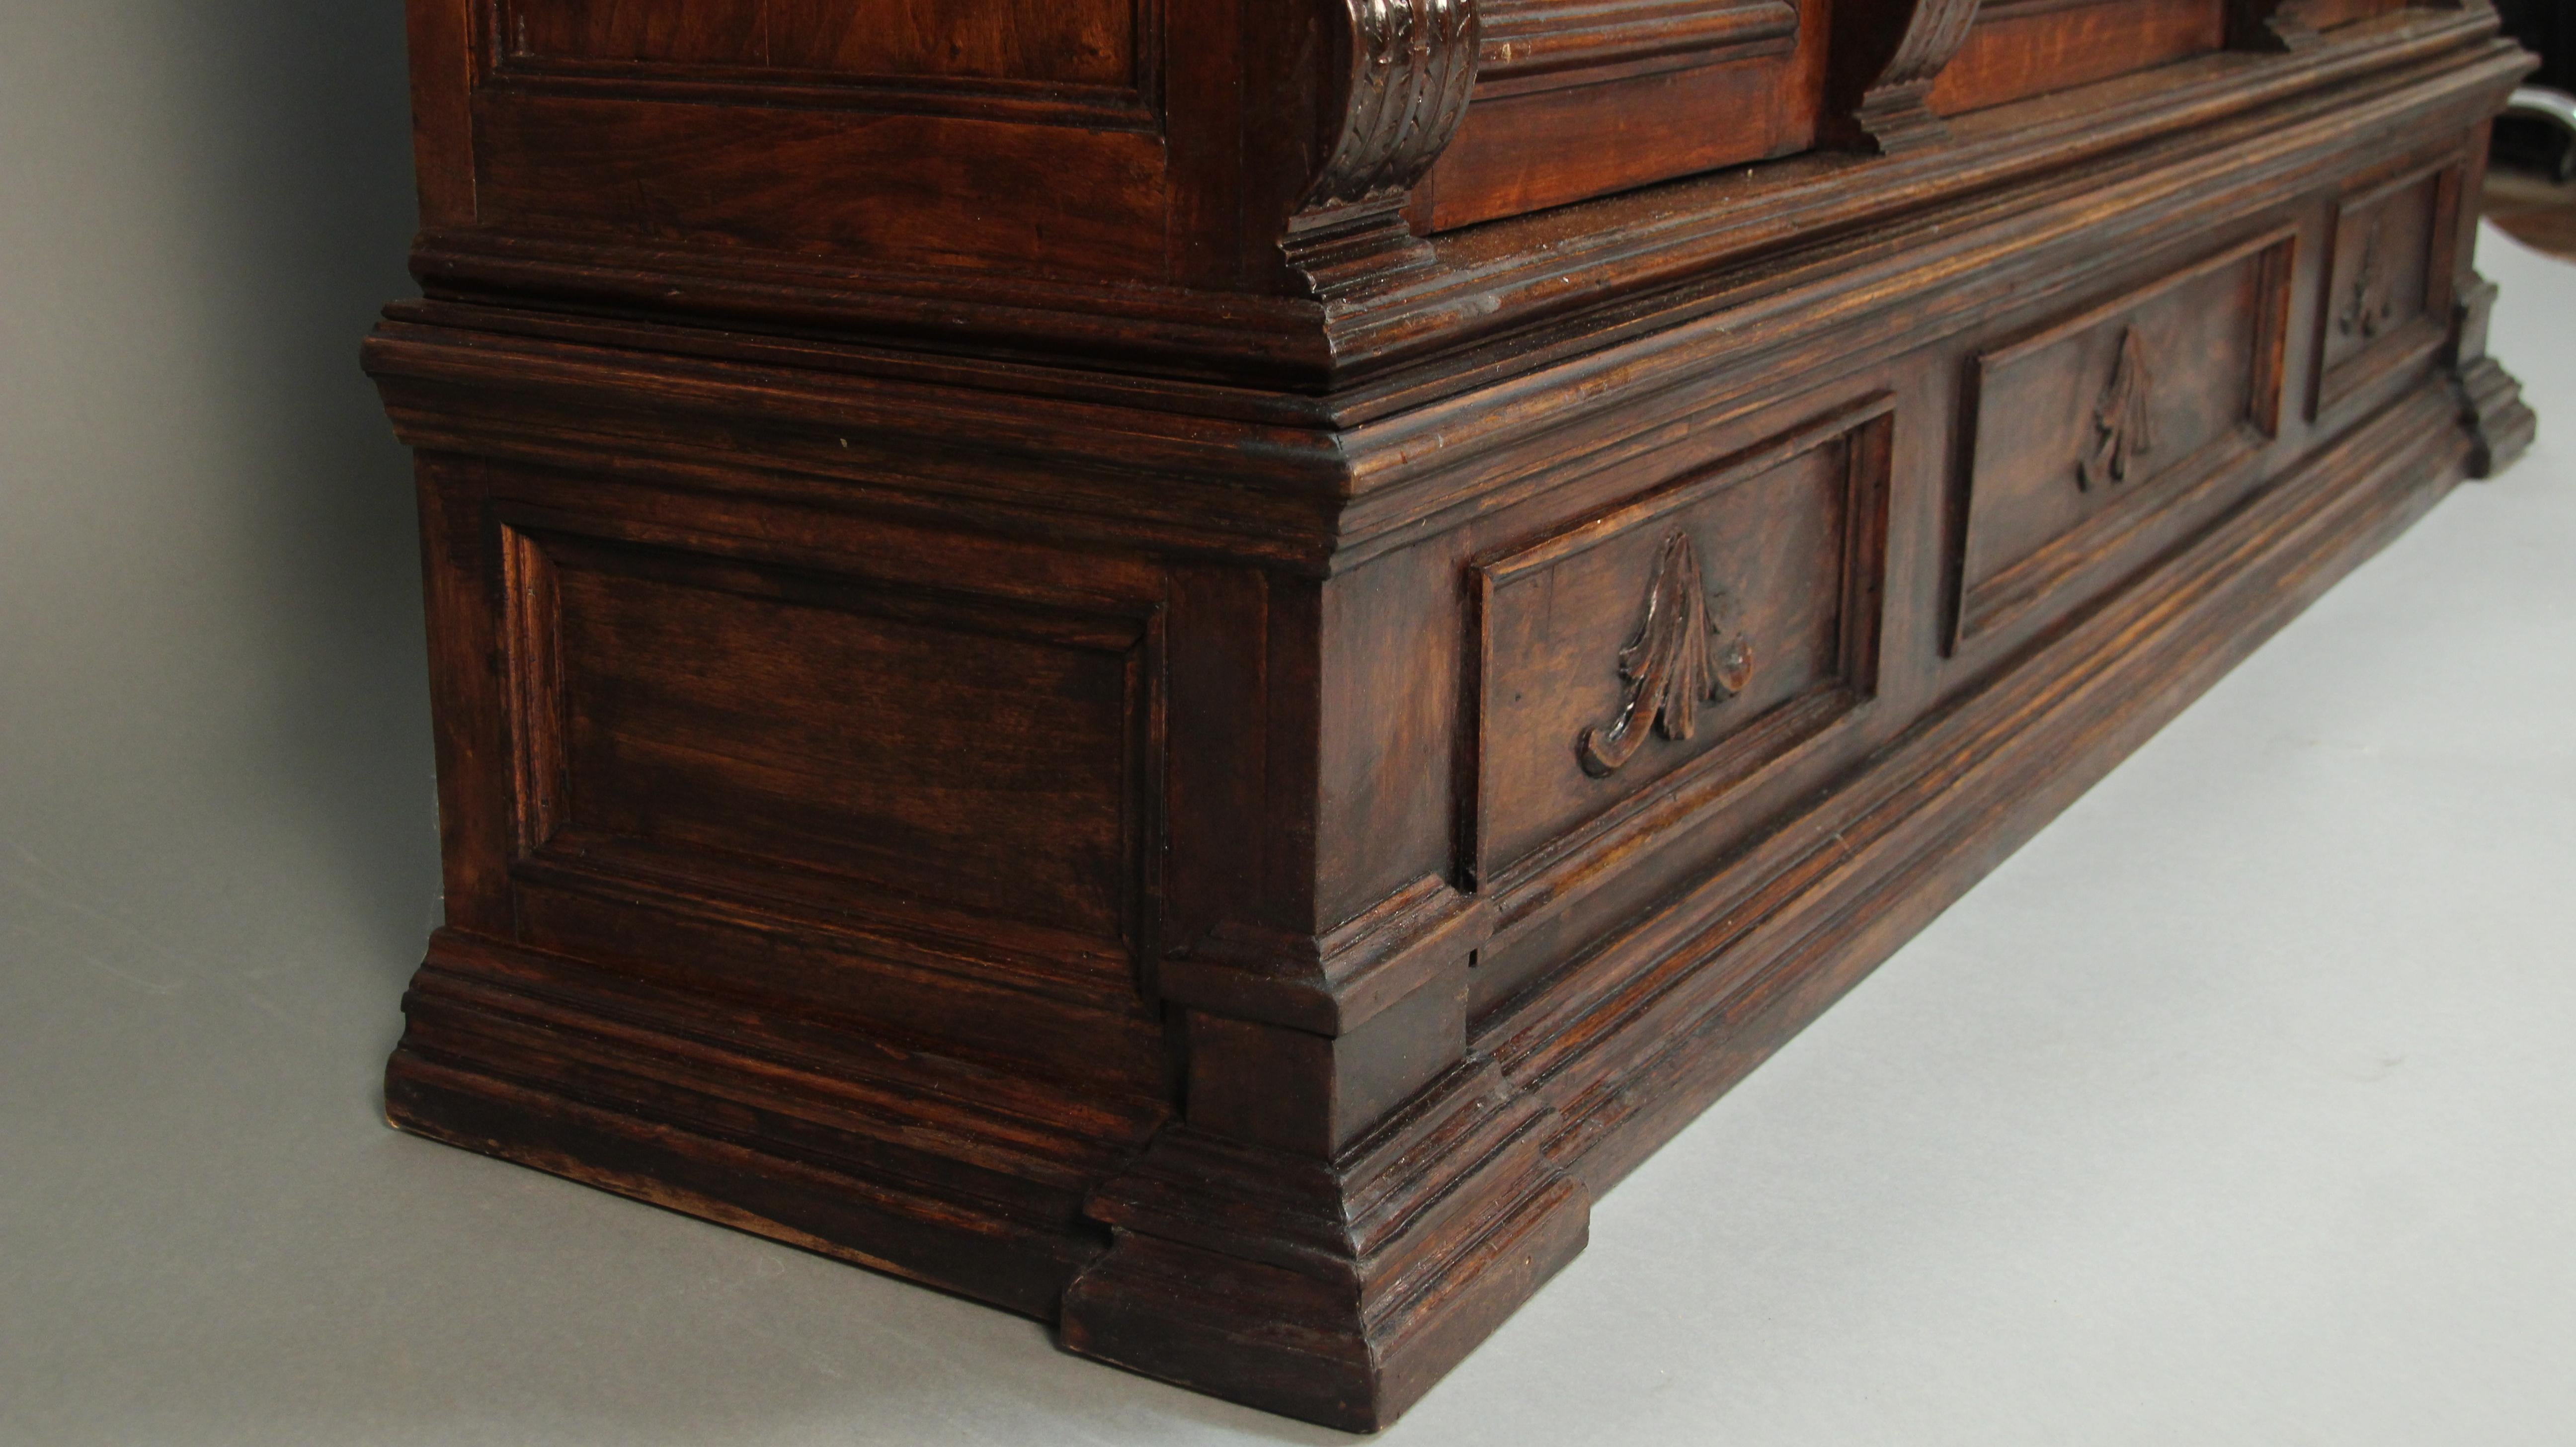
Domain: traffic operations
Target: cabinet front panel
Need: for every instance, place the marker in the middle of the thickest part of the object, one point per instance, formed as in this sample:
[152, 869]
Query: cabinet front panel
[2097, 423]
[2388, 287]
[1699, 630]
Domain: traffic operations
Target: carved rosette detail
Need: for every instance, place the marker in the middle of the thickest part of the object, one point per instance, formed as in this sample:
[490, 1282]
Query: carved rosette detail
[2370, 305]
[1412, 63]
[2124, 426]
[1671, 667]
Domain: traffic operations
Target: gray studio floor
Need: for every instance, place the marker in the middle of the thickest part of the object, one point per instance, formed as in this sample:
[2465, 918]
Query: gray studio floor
[2237, 1108]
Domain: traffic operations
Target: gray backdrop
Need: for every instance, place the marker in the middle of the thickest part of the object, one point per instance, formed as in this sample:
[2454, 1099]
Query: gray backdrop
[208, 567]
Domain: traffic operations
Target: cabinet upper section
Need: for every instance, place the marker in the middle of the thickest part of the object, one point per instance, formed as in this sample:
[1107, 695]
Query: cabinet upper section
[1140, 160]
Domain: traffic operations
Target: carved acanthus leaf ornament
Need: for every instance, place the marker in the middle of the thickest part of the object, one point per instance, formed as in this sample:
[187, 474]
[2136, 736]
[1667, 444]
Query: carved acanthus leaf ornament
[2371, 303]
[2124, 426]
[1671, 667]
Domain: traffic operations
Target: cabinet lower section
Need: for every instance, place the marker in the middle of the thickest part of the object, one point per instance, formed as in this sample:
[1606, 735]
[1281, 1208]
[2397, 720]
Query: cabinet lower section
[1234, 875]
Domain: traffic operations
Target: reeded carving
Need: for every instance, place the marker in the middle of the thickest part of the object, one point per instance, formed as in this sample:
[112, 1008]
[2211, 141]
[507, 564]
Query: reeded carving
[2124, 426]
[1412, 63]
[2370, 305]
[1671, 666]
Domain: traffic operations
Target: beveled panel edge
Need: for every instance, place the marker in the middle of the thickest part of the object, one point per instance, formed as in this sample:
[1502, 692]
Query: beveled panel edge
[1508, 563]
[2050, 333]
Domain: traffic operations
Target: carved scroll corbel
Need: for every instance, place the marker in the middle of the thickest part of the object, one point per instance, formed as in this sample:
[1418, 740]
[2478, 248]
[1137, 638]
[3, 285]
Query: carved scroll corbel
[1886, 54]
[2270, 25]
[1408, 66]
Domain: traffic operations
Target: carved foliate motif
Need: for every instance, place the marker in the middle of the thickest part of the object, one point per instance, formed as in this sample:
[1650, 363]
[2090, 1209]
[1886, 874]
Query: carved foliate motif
[2370, 305]
[2124, 426]
[1671, 666]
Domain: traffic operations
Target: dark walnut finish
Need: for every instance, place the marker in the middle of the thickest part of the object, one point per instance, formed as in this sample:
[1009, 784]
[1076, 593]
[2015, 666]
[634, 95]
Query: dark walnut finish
[1106, 654]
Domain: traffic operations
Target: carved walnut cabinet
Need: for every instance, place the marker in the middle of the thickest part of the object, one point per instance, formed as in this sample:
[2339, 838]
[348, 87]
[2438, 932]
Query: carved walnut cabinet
[1190, 665]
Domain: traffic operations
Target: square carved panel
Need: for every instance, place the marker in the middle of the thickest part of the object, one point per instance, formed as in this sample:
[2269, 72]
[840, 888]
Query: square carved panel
[1679, 640]
[2388, 284]
[2091, 427]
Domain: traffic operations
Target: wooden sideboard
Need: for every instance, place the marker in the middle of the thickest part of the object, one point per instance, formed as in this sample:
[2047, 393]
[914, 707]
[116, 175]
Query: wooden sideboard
[1190, 667]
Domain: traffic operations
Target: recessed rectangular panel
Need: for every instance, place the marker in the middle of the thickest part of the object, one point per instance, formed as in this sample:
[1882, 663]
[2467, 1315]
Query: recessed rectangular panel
[789, 732]
[2387, 296]
[2086, 429]
[1708, 624]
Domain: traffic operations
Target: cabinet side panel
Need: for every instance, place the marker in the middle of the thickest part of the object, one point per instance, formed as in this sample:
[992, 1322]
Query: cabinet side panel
[768, 717]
